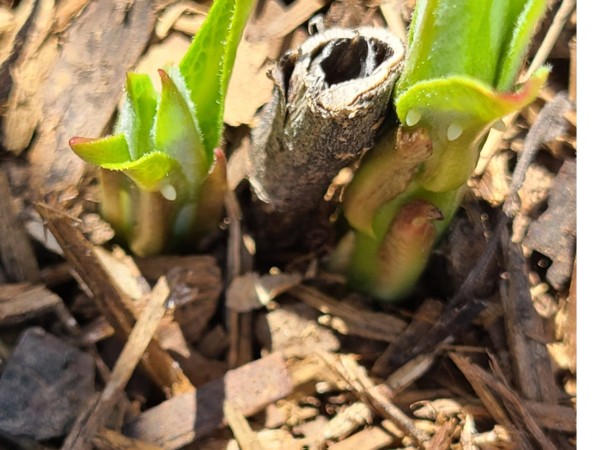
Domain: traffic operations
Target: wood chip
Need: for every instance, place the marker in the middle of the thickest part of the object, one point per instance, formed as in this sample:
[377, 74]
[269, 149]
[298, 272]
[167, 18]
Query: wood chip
[442, 438]
[371, 438]
[358, 321]
[66, 11]
[44, 386]
[84, 85]
[174, 12]
[21, 302]
[24, 107]
[294, 16]
[15, 27]
[391, 12]
[196, 280]
[294, 327]
[251, 291]
[348, 420]
[113, 303]
[245, 437]
[530, 358]
[427, 315]
[95, 416]
[484, 384]
[187, 417]
[553, 234]
[111, 440]
[351, 373]
[16, 253]
[250, 87]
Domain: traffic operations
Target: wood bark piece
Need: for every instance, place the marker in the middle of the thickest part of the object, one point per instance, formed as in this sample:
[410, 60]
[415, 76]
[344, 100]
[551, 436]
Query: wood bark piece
[16, 253]
[85, 84]
[521, 419]
[245, 437]
[197, 279]
[426, 316]
[24, 108]
[553, 234]
[44, 386]
[20, 302]
[110, 299]
[385, 436]
[187, 417]
[294, 328]
[374, 396]
[111, 440]
[442, 438]
[357, 321]
[14, 37]
[95, 416]
[329, 100]
[525, 329]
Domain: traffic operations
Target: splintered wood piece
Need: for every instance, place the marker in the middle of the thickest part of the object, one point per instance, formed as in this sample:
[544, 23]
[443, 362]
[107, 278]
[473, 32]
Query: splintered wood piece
[426, 316]
[95, 416]
[391, 12]
[24, 107]
[407, 374]
[15, 28]
[553, 234]
[442, 439]
[295, 327]
[348, 420]
[249, 86]
[187, 417]
[20, 302]
[110, 299]
[484, 383]
[251, 291]
[245, 437]
[111, 440]
[294, 16]
[372, 438]
[565, 351]
[16, 252]
[525, 330]
[84, 85]
[358, 321]
[358, 381]
[44, 386]
[66, 11]
[196, 283]
[467, 433]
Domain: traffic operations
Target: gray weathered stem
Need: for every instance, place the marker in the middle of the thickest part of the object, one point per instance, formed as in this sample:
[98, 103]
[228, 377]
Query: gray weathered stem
[330, 98]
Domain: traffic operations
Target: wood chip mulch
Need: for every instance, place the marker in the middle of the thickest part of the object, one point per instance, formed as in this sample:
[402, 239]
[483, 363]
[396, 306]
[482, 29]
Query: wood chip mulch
[211, 350]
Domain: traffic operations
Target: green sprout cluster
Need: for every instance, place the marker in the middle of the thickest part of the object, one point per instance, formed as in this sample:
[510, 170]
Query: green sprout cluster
[458, 80]
[163, 175]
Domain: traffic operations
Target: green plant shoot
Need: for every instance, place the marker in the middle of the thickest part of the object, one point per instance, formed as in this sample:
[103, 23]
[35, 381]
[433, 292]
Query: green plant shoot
[162, 173]
[463, 59]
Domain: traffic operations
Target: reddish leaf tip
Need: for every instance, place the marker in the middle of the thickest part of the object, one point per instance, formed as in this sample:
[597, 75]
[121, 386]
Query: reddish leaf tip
[77, 140]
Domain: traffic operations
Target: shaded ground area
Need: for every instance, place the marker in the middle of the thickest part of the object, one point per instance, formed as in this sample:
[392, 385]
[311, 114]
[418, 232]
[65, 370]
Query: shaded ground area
[226, 347]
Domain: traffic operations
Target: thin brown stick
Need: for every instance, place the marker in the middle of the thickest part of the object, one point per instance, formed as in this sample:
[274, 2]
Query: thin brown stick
[351, 373]
[91, 420]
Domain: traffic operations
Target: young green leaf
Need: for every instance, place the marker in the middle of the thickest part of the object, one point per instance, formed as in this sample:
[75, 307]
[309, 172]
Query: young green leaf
[206, 67]
[175, 134]
[137, 117]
